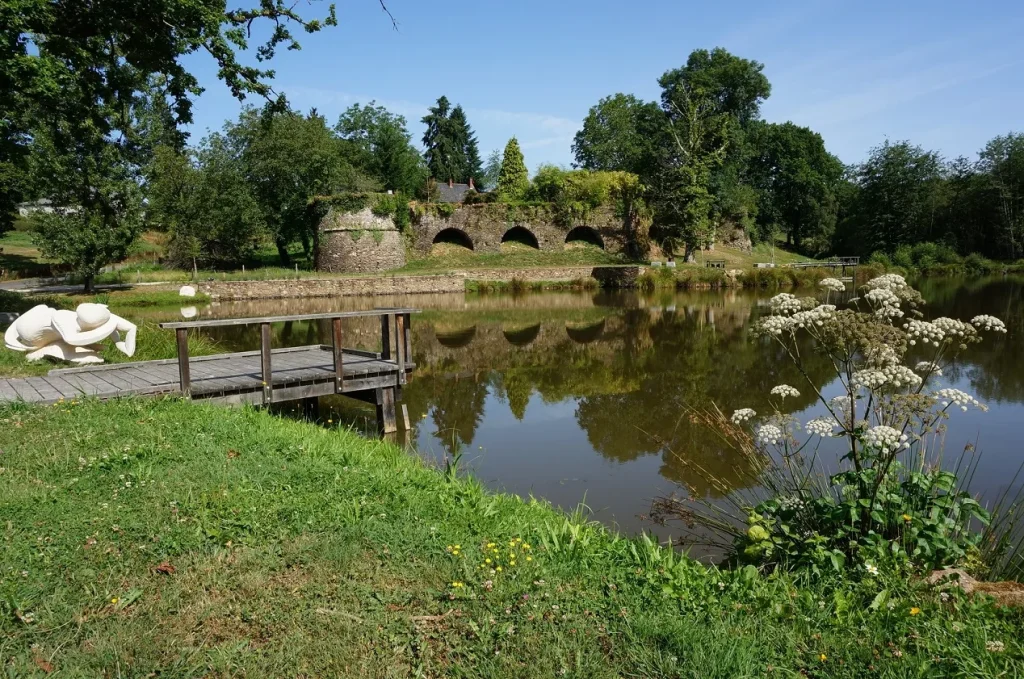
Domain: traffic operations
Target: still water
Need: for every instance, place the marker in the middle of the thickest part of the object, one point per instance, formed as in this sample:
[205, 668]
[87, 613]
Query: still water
[581, 397]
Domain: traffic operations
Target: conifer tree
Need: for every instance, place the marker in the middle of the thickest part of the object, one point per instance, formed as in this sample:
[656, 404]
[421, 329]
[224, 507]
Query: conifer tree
[513, 179]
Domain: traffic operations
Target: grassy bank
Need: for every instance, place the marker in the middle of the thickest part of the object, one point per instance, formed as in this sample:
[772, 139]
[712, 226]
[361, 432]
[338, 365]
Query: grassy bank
[151, 342]
[147, 538]
[695, 277]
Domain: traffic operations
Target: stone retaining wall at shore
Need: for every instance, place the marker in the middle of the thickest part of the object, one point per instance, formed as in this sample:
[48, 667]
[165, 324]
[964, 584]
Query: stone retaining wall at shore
[333, 287]
[455, 281]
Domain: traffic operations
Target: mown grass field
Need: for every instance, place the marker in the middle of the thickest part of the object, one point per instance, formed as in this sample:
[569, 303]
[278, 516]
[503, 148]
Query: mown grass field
[165, 538]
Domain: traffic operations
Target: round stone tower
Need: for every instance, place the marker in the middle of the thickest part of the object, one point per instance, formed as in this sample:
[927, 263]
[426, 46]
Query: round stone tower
[359, 242]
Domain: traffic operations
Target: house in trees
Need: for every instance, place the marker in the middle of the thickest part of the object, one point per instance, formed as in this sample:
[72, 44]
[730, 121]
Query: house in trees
[453, 192]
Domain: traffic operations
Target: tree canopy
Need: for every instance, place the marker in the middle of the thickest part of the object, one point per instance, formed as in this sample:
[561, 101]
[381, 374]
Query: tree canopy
[452, 153]
[513, 178]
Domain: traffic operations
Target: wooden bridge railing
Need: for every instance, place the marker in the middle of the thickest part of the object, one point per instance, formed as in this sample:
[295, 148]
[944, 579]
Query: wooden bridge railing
[398, 317]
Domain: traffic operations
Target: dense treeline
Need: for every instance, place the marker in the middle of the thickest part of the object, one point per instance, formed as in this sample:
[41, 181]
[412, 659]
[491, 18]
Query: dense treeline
[712, 164]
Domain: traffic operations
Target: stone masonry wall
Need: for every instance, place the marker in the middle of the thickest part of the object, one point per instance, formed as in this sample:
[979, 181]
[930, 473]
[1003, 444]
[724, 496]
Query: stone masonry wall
[333, 287]
[359, 242]
[485, 225]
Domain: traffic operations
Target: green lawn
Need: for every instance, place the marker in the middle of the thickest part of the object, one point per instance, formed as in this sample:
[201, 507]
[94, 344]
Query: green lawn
[171, 539]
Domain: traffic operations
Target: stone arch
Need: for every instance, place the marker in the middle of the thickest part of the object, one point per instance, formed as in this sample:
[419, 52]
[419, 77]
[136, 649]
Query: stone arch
[522, 337]
[584, 234]
[453, 236]
[520, 234]
[455, 339]
[585, 334]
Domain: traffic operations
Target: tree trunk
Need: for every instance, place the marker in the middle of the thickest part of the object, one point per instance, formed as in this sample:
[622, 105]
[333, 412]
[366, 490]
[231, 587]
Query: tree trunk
[282, 252]
[89, 280]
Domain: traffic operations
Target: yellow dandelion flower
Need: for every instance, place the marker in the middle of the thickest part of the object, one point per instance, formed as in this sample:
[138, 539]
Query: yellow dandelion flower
[114, 600]
[489, 545]
[915, 610]
[495, 551]
[512, 563]
[822, 657]
[487, 560]
[526, 545]
[458, 546]
[908, 518]
[498, 569]
[529, 558]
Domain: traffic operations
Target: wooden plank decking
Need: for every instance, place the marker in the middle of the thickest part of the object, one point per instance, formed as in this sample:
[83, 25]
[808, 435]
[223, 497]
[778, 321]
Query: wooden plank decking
[300, 372]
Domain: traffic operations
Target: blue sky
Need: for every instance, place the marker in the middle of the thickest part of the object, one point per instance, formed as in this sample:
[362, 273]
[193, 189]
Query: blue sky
[945, 75]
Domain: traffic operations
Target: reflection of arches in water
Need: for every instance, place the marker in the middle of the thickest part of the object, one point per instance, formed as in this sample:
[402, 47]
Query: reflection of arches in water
[454, 236]
[519, 234]
[584, 235]
[585, 334]
[456, 339]
[523, 336]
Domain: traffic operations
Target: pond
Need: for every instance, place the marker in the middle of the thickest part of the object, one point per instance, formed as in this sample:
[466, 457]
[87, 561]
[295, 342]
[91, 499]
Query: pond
[582, 397]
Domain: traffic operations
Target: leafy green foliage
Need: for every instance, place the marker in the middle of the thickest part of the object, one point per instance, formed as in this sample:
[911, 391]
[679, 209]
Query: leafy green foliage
[382, 147]
[452, 153]
[619, 133]
[88, 239]
[513, 178]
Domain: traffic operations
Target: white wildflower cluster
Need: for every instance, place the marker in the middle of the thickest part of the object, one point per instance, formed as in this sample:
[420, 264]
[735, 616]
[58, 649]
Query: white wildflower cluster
[889, 281]
[822, 426]
[786, 502]
[924, 331]
[995, 646]
[815, 316]
[958, 398]
[990, 323]
[784, 390]
[776, 325]
[742, 415]
[928, 367]
[769, 435]
[875, 378]
[785, 303]
[881, 356]
[885, 303]
[832, 284]
[871, 569]
[842, 404]
[869, 379]
[901, 376]
[953, 328]
[885, 439]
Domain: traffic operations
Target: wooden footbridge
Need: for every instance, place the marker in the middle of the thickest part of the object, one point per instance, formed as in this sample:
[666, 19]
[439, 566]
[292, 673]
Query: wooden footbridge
[262, 377]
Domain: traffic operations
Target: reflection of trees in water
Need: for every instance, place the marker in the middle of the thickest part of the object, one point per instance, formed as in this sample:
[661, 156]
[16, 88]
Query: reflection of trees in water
[688, 363]
[994, 368]
[457, 406]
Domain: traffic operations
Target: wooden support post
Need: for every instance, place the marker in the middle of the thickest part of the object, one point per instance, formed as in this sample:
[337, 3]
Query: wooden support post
[406, 423]
[184, 374]
[268, 380]
[408, 337]
[339, 369]
[385, 337]
[400, 346]
[386, 419]
[310, 408]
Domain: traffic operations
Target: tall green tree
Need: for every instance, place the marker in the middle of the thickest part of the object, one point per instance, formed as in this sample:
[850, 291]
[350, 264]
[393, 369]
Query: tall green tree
[797, 181]
[492, 168]
[443, 152]
[470, 164]
[706, 104]
[287, 158]
[900, 200]
[1002, 163]
[619, 133]
[75, 69]
[382, 147]
[513, 178]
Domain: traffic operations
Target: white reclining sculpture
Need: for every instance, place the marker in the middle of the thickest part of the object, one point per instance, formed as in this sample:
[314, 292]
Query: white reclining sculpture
[69, 335]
